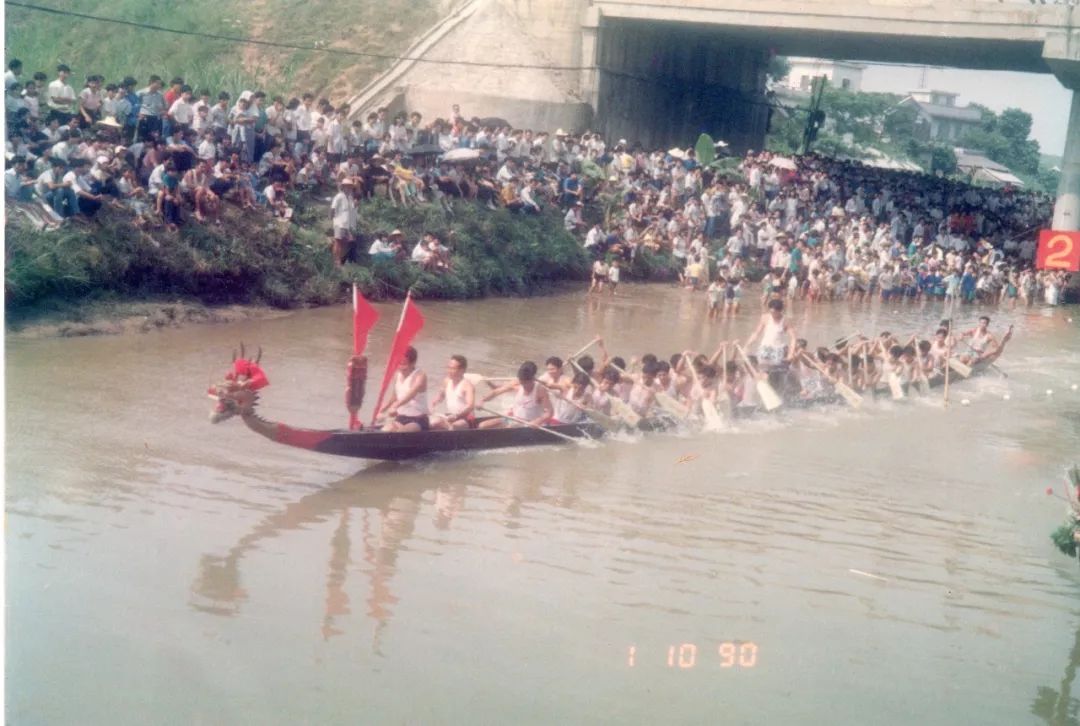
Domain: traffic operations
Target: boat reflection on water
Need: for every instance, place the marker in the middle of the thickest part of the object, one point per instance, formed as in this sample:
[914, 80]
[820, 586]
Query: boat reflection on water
[1058, 707]
[387, 519]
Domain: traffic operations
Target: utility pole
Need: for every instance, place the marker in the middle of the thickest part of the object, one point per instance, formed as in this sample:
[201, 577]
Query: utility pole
[815, 117]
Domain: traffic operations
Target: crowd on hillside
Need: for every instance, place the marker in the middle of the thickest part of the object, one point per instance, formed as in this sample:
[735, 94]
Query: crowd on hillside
[823, 228]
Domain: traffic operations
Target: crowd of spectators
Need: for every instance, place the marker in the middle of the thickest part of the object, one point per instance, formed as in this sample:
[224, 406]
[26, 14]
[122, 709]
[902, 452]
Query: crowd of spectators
[820, 227]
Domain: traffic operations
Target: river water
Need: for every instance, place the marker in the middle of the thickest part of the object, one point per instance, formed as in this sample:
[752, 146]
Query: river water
[887, 566]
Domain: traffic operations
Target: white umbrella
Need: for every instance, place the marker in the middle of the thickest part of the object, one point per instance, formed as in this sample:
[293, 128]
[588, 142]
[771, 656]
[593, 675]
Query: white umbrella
[461, 155]
[676, 153]
[782, 162]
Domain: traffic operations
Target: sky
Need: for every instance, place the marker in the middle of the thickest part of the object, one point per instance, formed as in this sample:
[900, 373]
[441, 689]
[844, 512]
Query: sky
[1039, 94]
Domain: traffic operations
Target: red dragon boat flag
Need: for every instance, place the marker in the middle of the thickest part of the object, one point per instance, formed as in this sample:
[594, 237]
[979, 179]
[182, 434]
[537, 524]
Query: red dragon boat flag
[410, 324]
[364, 319]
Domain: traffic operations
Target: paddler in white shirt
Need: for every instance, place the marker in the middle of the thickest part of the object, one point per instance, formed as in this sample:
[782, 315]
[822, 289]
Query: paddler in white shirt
[407, 408]
[531, 400]
[460, 397]
[554, 380]
[777, 336]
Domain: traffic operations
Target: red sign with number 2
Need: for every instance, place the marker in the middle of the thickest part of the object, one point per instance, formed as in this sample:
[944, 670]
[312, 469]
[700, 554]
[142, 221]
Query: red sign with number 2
[1058, 251]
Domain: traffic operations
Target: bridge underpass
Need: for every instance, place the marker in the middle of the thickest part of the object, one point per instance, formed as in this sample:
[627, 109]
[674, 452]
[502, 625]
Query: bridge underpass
[663, 73]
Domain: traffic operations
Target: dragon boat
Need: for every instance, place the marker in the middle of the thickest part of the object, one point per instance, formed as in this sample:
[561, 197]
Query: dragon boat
[238, 395]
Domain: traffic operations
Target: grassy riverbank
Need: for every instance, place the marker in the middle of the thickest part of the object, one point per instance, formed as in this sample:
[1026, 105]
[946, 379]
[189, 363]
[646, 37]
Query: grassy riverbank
[94, 269]
[381, 29]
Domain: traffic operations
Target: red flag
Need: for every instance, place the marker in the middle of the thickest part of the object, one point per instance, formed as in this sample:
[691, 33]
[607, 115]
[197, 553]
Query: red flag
[364, 318]
[410, 324]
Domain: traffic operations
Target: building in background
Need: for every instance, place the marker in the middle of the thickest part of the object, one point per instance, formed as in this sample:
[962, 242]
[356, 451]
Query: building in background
[939, 118]
[980, 169]
[840, 74]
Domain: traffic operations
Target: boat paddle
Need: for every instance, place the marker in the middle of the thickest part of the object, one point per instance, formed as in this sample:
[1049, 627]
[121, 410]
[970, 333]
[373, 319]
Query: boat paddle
[592, 342]
[599, 418]
[713, 420]
[665, 401]
[992, 365]
[530, 424]
[963, 369]
[621, 409]
[848, 393]
[769, 398]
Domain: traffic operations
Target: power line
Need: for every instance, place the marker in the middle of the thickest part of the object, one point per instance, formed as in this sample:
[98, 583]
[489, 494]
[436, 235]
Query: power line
[288, 46]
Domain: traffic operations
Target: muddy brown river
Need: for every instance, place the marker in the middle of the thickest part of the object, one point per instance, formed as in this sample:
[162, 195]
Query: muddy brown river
[887, 566]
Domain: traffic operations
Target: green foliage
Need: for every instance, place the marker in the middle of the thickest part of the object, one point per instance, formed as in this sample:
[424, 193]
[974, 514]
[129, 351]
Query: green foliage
[41, 40]
[778, 67]
[1065, 540]
[785, 131]
[254, 259]
[942, 159]
[705, 150]
[1004, 138]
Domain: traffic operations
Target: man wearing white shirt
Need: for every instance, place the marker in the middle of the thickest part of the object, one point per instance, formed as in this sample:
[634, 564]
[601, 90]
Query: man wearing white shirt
[594, 236]
[182, 112]
[60, 97]
[52, 188]
[343, 219]
[13, 72]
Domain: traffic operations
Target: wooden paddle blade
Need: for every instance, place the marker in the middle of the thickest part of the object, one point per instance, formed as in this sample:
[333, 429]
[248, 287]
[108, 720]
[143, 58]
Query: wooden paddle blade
[724, 405]
[713, 420]
[768, 396]
[896, 388]
[849, 394]
[622, 410]
[960, 367]
[669, 404]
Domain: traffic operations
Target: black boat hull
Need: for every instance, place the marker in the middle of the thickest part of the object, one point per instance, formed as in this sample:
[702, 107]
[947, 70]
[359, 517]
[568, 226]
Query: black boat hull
[393, 446]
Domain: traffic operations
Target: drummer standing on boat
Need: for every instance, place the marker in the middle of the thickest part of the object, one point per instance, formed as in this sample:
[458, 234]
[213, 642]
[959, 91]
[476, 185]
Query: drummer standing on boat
[777, 336]
[407, 408]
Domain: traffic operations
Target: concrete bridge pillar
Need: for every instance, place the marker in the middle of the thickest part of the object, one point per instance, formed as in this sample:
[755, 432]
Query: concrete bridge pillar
[1061, 51]
[1067, 206]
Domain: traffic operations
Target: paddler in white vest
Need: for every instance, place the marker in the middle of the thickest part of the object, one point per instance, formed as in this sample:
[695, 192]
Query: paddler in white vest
[554, 380]
[777, 336]
[642, 393]
[407, 408]
[460, 397]
[531, 400]
[982, 341]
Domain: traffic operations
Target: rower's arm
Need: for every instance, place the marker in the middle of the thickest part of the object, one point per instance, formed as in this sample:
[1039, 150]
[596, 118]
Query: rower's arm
[438, 397]
[505, 388]
[470, 400]
[420, 384]
[719, 352]
[544, 399]
[605, 359]
[390, 402]
[757, 331]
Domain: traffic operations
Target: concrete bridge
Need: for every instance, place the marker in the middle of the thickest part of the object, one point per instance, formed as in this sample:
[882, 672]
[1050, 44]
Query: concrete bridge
[661, 71]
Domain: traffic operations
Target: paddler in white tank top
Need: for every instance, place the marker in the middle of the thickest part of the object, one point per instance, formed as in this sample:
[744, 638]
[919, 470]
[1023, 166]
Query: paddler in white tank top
[407, 408]
[579, 394]
[982, 341]
[459, 395]
[642, 395]
[531, 400]
[554, 380]
[777, 336]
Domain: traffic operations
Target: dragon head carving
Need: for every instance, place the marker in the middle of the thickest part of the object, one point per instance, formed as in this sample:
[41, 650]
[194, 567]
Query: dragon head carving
[238, 393]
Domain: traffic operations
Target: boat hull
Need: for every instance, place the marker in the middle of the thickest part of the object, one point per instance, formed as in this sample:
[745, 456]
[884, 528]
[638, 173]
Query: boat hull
[396, 446]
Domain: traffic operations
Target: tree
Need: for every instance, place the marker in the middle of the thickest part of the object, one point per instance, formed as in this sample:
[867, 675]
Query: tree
[778, 67]
[1014, 124]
